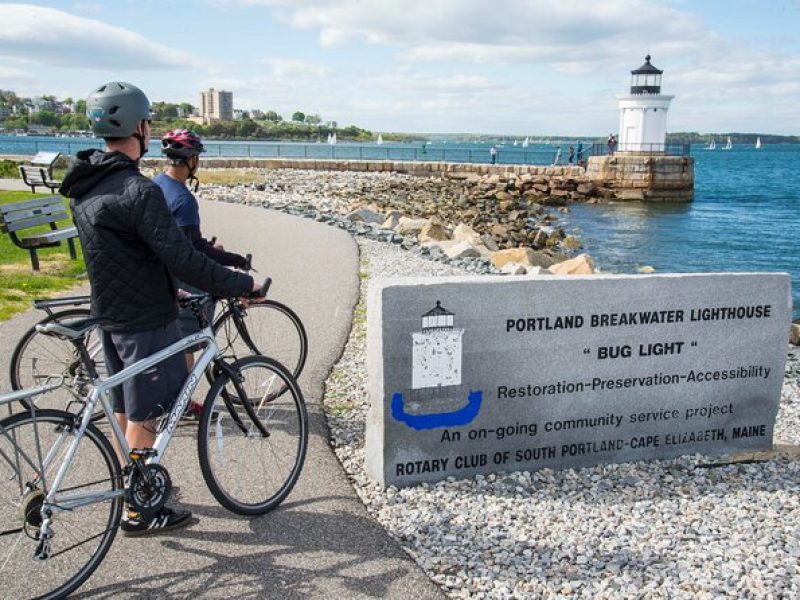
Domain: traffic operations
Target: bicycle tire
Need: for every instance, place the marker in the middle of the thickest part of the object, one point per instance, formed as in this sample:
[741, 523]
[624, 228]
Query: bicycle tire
[22, 576]
[283, 339]
[228, 455]
[50, 356]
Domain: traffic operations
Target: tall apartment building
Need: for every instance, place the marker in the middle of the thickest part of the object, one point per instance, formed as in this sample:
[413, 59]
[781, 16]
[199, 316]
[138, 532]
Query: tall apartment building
[216, 105]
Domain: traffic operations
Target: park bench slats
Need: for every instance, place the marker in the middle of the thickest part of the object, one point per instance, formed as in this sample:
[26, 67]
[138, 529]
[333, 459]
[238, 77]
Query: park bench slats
[38, 176]
[30, 213]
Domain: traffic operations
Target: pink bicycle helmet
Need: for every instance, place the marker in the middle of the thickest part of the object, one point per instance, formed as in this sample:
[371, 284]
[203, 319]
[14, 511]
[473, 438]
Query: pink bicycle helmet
[181, 144]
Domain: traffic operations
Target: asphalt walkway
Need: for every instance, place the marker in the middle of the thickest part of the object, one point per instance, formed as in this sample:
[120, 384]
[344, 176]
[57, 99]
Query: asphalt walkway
[320, 543]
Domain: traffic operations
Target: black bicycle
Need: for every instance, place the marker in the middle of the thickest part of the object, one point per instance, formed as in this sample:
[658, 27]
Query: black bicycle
[267, 328]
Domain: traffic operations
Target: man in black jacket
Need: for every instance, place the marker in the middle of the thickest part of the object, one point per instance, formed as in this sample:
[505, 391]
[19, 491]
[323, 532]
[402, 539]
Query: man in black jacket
[132, 248]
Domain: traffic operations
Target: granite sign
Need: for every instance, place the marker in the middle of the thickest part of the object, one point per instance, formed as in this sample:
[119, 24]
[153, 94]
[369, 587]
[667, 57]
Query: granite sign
[473, 374]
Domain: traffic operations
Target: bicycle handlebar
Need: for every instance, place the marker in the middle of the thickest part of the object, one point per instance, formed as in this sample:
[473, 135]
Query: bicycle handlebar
[262, 291]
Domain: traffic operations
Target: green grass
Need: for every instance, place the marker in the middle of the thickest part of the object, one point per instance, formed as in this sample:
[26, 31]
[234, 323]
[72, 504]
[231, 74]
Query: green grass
[18, 284]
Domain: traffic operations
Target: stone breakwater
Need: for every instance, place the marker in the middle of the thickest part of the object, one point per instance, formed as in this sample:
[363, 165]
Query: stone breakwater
[486, 224]
[688, 528]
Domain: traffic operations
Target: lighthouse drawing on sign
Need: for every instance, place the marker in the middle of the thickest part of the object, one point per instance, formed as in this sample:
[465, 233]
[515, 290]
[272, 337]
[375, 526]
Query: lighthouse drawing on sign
[436, 397]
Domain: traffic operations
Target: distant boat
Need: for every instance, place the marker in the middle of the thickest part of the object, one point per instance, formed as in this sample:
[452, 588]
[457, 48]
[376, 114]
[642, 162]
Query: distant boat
[728, 145]
[758, 143]
[331, 138]
[712, 145]
[527, 142]
[515, 142]
[380, 139]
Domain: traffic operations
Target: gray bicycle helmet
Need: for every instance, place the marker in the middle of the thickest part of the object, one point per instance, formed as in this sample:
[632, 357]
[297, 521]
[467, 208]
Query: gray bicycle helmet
[116, 108]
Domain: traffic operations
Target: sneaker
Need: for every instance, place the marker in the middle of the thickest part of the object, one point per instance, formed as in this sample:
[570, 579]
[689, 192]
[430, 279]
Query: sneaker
[136, 524]
[192, 414]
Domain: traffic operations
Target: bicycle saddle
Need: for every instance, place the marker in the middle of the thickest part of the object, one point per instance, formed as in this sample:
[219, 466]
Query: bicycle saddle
[71, 330]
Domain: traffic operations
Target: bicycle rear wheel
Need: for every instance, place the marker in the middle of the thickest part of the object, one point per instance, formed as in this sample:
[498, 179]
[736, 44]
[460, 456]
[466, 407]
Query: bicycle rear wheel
[273, 330]
[38, 357]
[247, 472]
[82, 536]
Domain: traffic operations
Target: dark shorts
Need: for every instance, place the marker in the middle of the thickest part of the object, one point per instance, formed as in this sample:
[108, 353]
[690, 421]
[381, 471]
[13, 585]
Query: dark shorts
[151, 394]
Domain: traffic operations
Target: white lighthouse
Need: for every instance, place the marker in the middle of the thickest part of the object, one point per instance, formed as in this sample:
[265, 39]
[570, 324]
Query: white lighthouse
[643, 112]
[436, 364]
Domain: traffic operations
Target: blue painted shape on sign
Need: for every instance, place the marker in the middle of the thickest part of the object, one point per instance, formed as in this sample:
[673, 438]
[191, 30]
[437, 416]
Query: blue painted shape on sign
[462, 416]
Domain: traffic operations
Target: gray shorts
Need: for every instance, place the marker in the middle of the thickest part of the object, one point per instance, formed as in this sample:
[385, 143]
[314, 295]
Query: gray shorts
[151, 394]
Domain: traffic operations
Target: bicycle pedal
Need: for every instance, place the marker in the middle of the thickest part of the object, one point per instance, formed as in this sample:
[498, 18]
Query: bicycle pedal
[142, 453]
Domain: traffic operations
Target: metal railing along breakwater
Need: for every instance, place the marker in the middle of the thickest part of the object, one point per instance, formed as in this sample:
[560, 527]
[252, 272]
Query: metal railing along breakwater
[541, 155]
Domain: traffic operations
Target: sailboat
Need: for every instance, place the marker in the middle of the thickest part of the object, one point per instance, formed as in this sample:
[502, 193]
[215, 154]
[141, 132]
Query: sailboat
[527, 142]
[729, 145]
[380, 139]
[758, 143]
[515, 142]
[332, 138]
[712, 145]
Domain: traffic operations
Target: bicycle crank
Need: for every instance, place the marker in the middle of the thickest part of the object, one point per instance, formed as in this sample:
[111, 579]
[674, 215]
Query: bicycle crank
[149, 488]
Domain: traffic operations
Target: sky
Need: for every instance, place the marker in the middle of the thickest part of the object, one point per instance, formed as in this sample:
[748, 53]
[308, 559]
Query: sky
[511, 67]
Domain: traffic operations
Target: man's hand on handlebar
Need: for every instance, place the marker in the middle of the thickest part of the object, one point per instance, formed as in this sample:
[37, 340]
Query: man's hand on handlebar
[259, 293]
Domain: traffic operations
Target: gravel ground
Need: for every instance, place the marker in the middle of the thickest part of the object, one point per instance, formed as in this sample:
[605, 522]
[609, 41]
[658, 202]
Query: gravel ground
[658, 529]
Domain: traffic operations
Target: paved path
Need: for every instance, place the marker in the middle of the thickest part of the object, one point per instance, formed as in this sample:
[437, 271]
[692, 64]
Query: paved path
[320, 543]
[16, 184]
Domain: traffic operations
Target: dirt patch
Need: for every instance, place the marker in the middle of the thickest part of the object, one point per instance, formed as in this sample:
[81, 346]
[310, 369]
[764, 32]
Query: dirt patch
[52, 265]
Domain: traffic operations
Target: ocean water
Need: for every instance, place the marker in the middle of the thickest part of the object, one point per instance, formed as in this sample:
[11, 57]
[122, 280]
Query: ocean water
[744, 218]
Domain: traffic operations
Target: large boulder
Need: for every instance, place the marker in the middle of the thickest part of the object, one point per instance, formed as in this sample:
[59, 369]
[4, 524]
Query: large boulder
[392, 219]
[512, 268]
[408, 226]
[520, 256]
[583, 264]
[465, 233]
[433, 232]
[794, 333]
[459, 249]
[365, 214]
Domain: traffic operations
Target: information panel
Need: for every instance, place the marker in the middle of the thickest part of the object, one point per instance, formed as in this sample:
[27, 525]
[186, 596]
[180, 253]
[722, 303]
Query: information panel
[477, 374]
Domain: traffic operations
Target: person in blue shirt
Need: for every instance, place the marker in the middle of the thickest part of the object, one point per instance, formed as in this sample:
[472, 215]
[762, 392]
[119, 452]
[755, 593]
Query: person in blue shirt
[183, 148]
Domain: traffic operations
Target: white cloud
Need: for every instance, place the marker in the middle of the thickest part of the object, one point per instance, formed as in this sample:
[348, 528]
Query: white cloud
[54, 37]
[283, 68]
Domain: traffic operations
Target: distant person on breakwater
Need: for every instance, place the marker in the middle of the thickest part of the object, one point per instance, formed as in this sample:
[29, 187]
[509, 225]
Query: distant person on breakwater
[182, 149]
[424, 149]
[493, 154]
[580, 153]
[612, 143]
[557, 158]
[571, 154]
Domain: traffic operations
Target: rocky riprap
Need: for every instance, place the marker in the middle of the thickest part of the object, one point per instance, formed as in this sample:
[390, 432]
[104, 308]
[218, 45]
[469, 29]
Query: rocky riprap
[484, 214]
[691, 527]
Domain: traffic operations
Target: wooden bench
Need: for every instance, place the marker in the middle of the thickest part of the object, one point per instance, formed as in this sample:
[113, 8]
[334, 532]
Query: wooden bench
[33, 175]
[30, 213]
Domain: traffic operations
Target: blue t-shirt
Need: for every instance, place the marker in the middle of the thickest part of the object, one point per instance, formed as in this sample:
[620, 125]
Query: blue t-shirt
[180, 201]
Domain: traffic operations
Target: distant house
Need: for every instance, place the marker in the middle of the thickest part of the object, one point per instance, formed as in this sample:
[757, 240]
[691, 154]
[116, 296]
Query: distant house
[257, 114]
[39, 104]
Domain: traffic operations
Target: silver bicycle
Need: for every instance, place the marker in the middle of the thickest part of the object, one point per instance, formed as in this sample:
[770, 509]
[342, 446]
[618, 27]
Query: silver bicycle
[61, 485]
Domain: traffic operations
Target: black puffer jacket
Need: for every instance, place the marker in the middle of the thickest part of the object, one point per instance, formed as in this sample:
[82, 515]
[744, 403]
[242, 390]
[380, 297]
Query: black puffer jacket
[133, 247]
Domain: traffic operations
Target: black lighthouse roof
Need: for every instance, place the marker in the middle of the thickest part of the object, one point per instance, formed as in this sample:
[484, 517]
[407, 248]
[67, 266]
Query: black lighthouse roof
[438, 311]
[647, 67]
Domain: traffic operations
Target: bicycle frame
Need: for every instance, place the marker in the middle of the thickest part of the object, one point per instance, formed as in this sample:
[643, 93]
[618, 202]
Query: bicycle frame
[59, 503]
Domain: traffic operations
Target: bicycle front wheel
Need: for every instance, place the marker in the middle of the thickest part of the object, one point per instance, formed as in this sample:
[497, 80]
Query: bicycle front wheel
[32, 448]
[250, 465]
[38, 357]
[270, 329]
